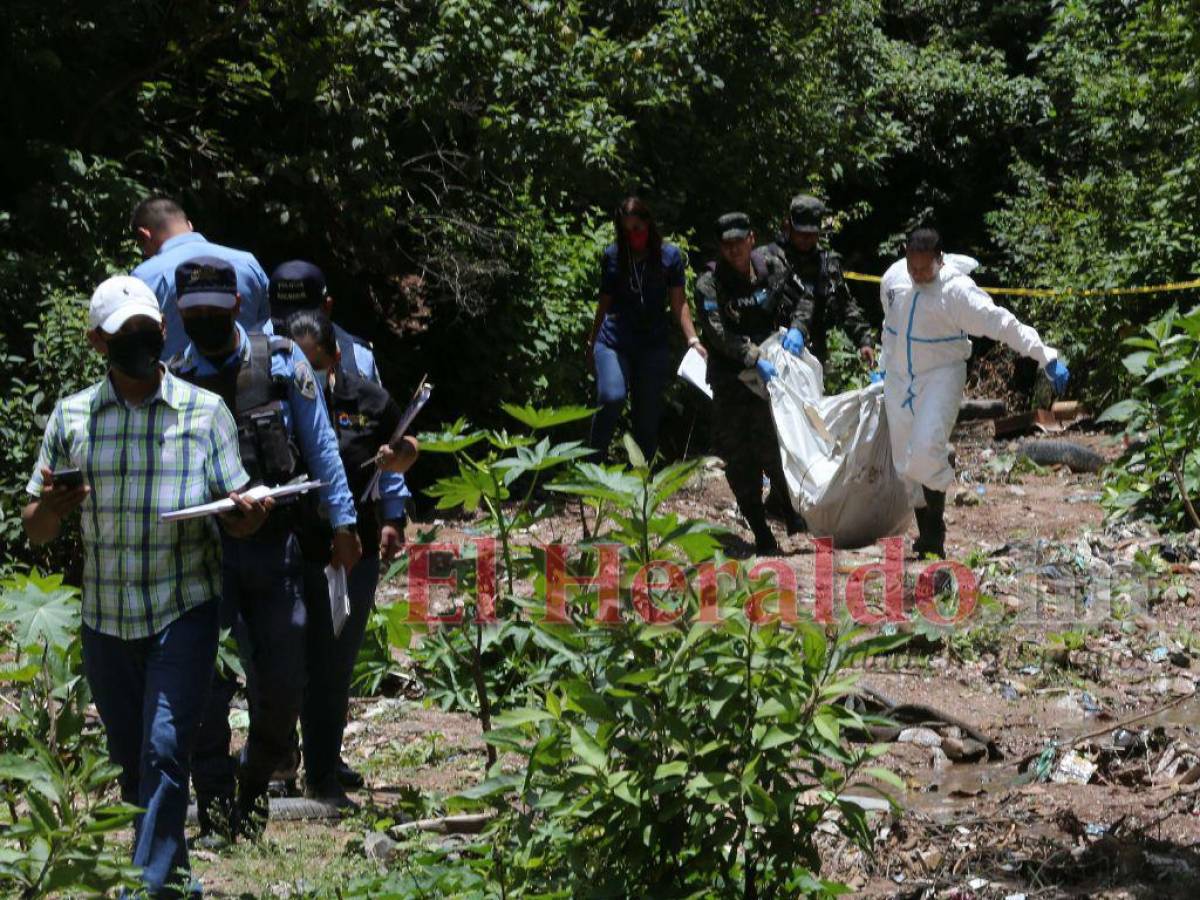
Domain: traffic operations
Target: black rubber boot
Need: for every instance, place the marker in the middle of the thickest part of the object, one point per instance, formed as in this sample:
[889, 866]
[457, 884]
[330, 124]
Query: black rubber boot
[217, 816]
[253, 810]
[764, 540]
[931, 526]
[347, 776]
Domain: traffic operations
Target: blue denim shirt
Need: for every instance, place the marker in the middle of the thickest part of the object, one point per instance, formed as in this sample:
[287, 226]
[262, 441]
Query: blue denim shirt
[305, 417]
[159, 273]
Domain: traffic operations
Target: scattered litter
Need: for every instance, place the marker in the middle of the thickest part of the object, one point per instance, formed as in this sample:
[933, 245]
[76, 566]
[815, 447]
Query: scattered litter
[1073, 769]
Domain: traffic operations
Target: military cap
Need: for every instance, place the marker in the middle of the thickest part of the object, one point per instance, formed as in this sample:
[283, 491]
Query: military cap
[733, 226]
[206, 281]
[806, 213]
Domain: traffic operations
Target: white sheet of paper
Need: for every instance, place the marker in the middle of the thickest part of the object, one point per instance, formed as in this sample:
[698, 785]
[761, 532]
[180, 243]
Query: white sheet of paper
[694, 370]
[339, 598]
[255, 493]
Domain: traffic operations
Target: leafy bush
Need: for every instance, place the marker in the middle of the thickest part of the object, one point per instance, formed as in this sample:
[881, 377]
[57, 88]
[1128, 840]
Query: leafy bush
[55, 777]
[1159, 476]
[61, 362]
[663, 754]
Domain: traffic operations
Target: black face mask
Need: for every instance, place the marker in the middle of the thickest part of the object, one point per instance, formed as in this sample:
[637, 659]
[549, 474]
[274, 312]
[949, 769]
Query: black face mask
[212, 335]
[135, 353]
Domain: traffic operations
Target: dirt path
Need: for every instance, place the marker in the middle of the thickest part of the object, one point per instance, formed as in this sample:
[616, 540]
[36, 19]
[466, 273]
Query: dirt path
[1081, 630]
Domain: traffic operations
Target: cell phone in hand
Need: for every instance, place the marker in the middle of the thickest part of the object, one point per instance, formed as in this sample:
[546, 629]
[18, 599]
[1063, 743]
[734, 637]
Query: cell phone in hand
[67, 479]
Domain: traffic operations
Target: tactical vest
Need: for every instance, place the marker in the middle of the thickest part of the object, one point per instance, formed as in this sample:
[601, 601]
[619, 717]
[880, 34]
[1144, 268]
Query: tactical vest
[755, 311]
[256, 398]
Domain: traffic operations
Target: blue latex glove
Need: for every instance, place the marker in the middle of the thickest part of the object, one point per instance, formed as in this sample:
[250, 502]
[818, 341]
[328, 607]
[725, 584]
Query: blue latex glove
[766, 371]
[793, 341]
[875, 377]
[1058, 375]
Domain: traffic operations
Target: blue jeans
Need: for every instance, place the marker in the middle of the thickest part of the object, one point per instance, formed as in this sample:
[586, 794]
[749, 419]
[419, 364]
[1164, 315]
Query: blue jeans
[640, 372]
[331, 663]
[264, 604]
[151, 694]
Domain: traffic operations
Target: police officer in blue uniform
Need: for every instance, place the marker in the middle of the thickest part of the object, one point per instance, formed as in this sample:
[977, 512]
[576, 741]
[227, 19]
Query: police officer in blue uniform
[365, 416]
[296, 285]
[283, 432]
[299, 286]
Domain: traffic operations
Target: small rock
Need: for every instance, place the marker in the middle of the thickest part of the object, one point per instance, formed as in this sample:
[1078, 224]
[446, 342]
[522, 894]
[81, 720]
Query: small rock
[379, 847]
[1181, 659]
[939, 760]
[922, 737]
[964, 749]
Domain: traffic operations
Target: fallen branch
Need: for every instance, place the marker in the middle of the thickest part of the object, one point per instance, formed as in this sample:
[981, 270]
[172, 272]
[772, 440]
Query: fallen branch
[1113, 726]
[467, 824]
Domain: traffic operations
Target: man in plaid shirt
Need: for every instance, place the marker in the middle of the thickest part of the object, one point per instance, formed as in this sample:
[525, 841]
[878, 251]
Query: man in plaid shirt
[146, 443]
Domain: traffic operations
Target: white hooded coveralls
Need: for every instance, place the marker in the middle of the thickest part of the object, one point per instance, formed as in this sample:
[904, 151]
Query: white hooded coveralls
[925, 353]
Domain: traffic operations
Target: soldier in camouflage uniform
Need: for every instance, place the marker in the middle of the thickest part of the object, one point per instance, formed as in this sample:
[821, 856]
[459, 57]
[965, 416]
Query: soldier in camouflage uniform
[820, 272]
[742, 300]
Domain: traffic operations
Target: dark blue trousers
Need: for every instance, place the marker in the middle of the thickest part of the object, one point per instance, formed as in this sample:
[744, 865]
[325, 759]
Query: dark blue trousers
[264, 604]
[639, 372]
[331, 663]
[151, 694]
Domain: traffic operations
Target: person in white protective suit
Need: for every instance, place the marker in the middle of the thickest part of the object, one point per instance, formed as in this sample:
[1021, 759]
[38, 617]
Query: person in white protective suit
[930, 306]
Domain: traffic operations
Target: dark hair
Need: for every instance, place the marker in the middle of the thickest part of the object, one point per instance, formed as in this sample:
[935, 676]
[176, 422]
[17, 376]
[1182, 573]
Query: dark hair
[154, 213]
[924, 240]
[312, 324]
[634, 205]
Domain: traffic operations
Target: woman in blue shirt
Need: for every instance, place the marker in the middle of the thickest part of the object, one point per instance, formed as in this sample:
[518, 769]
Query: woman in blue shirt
[641, 292]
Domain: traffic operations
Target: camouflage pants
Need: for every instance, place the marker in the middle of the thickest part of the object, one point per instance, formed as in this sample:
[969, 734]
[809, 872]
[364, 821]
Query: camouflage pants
[745, 439]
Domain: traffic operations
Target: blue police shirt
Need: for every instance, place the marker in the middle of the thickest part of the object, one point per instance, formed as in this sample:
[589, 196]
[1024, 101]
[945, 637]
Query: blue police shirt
[394, 493]
[304, 416]
[159, 273]
[640, 299]
[364, 358]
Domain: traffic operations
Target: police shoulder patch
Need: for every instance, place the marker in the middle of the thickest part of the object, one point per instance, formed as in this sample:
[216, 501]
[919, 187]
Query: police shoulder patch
[306, 382]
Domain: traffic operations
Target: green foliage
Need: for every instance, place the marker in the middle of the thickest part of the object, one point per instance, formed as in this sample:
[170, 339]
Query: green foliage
[663, 755]
[54, 773]
[60, 363]
[1159, 476]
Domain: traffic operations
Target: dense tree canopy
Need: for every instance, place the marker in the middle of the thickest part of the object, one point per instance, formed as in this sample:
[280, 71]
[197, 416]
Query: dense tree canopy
[451, 163]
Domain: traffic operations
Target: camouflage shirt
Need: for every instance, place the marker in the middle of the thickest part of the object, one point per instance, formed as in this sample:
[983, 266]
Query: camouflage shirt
[737, 315]
[831, 305]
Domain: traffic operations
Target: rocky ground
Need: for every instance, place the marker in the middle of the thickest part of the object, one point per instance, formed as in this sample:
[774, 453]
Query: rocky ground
[1079, 666]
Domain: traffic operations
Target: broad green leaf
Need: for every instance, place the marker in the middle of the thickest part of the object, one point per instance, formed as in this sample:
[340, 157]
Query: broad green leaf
[671, 770]
[538, 419]
[512, 718]
[41, 610]
[587, 749]
[1122, 411]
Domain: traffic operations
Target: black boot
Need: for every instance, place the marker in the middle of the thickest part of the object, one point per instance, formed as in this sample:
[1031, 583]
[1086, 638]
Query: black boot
[347, 776]
[764, 540]
[253, 810]
[931, 526]
[217, 816]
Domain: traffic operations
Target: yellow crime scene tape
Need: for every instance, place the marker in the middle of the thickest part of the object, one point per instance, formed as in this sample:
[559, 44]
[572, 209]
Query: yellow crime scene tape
[1061, 292]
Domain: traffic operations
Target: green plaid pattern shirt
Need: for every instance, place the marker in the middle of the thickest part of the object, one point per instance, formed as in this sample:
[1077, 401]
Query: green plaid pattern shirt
[179, 448]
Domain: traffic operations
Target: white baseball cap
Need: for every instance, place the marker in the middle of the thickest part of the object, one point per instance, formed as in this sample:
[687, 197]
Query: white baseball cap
[119, 299]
